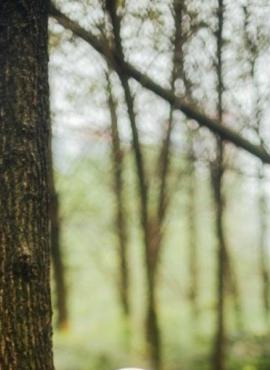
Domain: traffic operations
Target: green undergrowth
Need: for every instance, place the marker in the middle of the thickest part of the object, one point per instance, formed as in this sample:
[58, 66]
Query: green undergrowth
[97, 338]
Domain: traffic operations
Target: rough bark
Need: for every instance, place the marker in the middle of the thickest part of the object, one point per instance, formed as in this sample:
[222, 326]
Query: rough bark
[25, 305]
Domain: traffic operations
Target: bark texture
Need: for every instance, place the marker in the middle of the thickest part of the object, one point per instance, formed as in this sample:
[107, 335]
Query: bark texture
[25, 306]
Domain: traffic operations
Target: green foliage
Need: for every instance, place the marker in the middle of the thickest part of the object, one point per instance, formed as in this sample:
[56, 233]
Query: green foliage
[97, 337]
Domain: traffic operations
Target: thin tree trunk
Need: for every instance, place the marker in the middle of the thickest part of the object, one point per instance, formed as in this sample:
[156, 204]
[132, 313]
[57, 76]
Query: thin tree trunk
[151, 224]
[117, 63]
[192, 237]
[151, 325]
[58, 265]
[219, 340]
[56, 251]
[217, 176]
[121, 224]
[155, 233]
[252, 46]
[233, 289]
[25, 304]
[153, 243]
[153, 334]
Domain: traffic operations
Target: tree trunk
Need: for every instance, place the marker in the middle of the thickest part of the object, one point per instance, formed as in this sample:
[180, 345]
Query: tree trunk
[233, 290]
[152, 249]
[217, 177]
[121, 223]
[192, 238]
[56, 252]
[219, 340]
[58, 266]
[25, 304]
[152, 331]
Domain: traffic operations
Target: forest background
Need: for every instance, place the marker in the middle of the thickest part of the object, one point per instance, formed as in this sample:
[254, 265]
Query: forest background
[161, 261]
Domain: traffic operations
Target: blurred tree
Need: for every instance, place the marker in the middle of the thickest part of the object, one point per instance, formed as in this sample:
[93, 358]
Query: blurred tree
[152, 328]
[152, 222]
[192, 229]
[121, 216]
[190, 110]
[25, 309]
[217, 172]
[207, 81]
[255, 43]
[187, 25]
[56, 253]
[226, 276]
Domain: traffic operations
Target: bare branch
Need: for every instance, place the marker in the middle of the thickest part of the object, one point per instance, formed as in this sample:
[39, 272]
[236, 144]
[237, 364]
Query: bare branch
[110, 6]
[190, 110]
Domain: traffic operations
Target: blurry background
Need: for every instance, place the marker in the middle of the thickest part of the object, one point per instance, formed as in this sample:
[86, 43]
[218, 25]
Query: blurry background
[160, 231]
